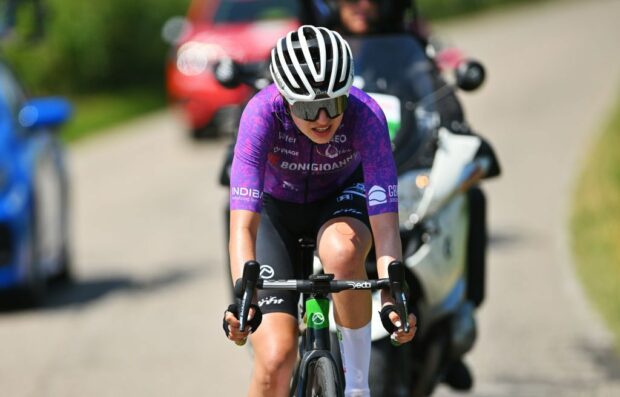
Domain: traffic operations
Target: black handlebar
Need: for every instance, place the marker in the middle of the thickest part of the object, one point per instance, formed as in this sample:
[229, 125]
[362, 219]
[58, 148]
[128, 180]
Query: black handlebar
[396, 273]
[251, 270]
[313, 286]
[321, 284]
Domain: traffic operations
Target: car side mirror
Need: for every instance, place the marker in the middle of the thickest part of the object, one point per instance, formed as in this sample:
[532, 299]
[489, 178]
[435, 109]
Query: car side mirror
[470, 75]
[228, 73]
[45, 112]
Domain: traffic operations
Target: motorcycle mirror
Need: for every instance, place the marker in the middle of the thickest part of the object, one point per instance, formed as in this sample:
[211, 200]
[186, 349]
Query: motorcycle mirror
[227, 73]
[470, 75]
[174, 29]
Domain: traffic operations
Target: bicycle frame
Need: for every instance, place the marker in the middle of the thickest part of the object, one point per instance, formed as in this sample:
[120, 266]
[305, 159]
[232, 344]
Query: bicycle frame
[316, 343]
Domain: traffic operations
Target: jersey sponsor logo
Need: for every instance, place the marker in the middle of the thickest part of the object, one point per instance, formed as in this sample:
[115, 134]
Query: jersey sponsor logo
[245, 193]
[330, 151]
[286, 138]
[379, 195]
[286, 165]
[339, 138]
[270, 300]
[266, 272]
[393, 192]
[376, 196]
[277, 149]
[273, 158]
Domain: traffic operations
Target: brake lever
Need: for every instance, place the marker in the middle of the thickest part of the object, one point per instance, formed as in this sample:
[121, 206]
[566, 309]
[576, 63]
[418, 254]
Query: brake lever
[251, 270]
[396, 273]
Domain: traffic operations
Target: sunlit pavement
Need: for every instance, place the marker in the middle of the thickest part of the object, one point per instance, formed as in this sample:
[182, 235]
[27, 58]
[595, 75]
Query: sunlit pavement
[144, 316]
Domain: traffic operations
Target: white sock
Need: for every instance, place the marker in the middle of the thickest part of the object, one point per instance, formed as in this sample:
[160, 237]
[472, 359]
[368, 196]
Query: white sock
[355, 353]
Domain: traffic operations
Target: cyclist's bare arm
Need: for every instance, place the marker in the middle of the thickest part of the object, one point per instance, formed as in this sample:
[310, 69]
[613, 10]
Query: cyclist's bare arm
[386, 235]
[388, 248]
[242, 248]
[242, 243]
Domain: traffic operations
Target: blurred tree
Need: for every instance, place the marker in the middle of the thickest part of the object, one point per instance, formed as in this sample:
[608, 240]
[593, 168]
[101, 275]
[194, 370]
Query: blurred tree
[96, 45]
[9, 18]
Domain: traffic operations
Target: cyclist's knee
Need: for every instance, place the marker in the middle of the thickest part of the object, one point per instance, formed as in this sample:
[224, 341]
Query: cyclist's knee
[343, 261]
[343, 244]
[275, 367]
[275, 343]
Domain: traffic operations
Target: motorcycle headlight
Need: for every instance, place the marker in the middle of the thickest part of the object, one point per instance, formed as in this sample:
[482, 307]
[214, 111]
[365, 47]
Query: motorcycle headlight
[411, 187]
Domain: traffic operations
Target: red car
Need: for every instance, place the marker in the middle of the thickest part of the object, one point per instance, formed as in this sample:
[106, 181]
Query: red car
[244, 30]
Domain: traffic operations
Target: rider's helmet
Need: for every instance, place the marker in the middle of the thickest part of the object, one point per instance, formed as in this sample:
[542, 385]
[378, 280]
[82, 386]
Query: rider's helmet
[310, 64]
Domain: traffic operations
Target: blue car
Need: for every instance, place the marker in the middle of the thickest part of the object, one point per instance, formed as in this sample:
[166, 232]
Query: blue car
[34, 224]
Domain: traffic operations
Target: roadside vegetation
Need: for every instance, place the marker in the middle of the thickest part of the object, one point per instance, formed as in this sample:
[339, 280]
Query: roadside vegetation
[108, 56]
[595, 224]
[95, 112]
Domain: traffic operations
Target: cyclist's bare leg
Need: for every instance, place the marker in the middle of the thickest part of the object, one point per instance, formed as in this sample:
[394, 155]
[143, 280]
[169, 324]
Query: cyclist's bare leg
[343, 244]
[275, 353]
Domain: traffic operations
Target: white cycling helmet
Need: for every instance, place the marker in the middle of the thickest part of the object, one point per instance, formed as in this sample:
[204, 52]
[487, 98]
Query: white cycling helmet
[312, 63]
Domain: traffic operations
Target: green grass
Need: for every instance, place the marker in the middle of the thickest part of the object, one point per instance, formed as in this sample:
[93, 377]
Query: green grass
[96, 112]
[595, 224]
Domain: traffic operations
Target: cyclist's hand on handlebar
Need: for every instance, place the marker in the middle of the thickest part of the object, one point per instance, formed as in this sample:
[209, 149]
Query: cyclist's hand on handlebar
[399, 336]
[231, 323]
[392, 322]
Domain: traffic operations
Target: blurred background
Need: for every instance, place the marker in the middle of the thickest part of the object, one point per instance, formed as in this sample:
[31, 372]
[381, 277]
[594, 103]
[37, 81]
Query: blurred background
[113, 137]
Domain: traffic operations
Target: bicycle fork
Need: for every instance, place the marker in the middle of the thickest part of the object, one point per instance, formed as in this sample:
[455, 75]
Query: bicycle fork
[316, 342]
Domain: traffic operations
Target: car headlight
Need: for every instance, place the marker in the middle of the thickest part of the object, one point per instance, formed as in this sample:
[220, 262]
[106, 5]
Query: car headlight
[411, 187]
[194, 57]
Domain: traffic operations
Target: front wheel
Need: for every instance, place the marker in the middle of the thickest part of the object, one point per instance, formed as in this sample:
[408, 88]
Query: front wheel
[322, 379]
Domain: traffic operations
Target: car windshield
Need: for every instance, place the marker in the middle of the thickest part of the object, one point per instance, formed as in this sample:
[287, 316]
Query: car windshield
[239, 11]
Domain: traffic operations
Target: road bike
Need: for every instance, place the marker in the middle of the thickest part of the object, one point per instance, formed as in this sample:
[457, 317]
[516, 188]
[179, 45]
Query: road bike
[316, 372]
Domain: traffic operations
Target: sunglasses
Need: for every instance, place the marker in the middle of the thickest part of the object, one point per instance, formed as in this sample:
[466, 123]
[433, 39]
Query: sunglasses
[309, 110]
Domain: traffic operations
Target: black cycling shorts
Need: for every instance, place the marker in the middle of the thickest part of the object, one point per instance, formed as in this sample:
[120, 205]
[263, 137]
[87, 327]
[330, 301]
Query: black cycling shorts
[281, 226]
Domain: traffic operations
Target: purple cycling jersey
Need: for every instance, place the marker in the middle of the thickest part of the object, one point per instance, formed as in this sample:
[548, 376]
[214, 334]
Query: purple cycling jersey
[273, 156]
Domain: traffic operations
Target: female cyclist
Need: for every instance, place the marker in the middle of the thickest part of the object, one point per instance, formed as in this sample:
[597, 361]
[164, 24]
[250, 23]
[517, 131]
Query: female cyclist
[312, 158]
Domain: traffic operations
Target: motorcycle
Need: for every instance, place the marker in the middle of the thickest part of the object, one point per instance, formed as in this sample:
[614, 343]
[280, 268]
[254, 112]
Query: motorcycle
[441, 209]
[439, 161]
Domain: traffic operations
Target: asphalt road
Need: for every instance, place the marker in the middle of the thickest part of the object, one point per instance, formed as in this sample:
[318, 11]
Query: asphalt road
[144, 316]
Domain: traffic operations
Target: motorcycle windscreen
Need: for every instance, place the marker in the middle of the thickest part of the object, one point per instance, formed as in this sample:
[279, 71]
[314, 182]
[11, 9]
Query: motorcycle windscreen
[396, 66]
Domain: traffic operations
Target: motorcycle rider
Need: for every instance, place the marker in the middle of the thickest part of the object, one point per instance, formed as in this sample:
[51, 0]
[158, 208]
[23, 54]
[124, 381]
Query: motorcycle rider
[363, 17]
[306, 147]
